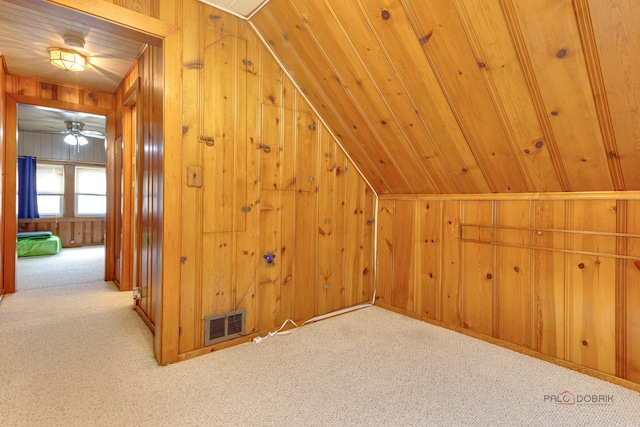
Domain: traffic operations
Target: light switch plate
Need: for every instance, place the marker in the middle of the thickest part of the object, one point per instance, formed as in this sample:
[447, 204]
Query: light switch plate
[194, 176]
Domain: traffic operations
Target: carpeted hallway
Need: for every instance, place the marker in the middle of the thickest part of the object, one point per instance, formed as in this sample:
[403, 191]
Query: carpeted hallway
[69, 266]
[78, 355]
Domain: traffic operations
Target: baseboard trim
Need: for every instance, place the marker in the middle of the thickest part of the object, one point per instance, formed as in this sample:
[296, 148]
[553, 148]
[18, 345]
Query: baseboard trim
[145, 318]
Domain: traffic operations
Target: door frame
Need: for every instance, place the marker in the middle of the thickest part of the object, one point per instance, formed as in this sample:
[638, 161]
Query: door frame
[9, 189]
[125, 22]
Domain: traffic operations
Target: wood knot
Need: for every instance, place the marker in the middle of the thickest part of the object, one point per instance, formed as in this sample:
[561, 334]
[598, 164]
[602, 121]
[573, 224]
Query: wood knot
[539, 144]
[516, 269]
[526, 151]
[585, 342]
[423, 40]
[561, 53]
[581, 265]
[554, 113]
[385, 14]
[489, 276]
[465, 170]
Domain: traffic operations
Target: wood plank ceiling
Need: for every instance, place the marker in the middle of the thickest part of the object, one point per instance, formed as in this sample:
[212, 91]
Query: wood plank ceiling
[471, 96]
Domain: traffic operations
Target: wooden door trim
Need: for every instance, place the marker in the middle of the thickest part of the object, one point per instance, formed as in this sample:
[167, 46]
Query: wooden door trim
[130, 101]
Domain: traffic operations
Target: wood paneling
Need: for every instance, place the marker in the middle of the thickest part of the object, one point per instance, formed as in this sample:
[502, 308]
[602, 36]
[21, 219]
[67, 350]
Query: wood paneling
[615, 35]
[548, 277]
[274, 181]
[556, 275]
[450, 279]
[63, 94]
[630, 301]
[478, 279]
[592, 280]
[513, 273]
[402, 255]
[52, 147]
[454, 96]
[428, 252]
[73, 232]
[3, 258]
[224, 120]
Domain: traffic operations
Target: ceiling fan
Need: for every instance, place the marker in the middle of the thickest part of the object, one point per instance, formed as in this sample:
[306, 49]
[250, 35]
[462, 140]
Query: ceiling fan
[76, 135]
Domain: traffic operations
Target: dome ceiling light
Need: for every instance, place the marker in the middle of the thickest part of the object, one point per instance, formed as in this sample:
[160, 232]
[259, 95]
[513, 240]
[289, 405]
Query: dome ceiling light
[67, 60]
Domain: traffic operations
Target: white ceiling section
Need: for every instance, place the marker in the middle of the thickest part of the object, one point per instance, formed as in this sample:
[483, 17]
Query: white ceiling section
[26, 36]
[32, 118]
[241, 8]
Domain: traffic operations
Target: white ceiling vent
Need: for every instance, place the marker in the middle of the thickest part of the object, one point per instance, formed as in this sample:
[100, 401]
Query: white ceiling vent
[224, 326]
[241, 8]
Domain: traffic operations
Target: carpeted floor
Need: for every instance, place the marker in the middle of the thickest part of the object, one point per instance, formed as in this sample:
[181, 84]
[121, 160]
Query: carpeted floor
[78, 355]
[69, 266]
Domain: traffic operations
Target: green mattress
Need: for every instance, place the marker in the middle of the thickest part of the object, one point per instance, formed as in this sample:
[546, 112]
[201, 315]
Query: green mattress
[36, 246]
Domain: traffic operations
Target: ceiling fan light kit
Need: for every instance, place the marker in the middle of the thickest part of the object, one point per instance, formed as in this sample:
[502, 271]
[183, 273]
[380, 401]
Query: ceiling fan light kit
[72, 139]
[74, 136]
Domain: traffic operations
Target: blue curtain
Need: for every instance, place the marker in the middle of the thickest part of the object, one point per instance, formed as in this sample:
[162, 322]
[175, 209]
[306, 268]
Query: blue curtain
[27, 194]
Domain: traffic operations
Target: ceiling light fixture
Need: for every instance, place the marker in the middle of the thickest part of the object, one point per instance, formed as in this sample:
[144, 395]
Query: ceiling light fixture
[67, 60]
[73, 41]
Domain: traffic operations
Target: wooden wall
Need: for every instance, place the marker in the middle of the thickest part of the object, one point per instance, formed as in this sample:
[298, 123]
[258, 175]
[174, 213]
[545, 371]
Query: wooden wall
[554, 275]
[73, 232]
[3, 96]
[31, 91]
[47, 146]
[271, 179]
[137, 162]
[145, 7]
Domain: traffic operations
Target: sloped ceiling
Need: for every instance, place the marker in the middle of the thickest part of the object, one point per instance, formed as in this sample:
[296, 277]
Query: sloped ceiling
[471, 96]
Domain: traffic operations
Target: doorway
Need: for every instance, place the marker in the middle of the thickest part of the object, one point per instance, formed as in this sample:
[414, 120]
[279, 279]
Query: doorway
[68, 150]
[164, 181]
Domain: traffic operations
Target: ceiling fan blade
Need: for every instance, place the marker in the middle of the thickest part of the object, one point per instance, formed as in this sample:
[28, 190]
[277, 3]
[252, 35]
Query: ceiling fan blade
[92, 134]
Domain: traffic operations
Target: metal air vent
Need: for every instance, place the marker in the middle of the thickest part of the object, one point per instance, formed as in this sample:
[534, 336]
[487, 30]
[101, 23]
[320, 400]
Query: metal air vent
[224, 326]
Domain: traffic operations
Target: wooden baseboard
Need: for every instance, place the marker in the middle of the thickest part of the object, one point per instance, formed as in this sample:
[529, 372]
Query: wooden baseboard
[145, 319]
[215, 347]
[523, 350]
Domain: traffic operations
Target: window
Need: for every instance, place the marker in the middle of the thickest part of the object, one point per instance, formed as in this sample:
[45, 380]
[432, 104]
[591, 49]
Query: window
[50, 186]
[86, 195]
[91, 190]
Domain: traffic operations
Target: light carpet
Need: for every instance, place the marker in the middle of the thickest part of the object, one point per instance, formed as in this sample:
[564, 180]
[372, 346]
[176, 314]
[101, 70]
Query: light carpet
[69, 266]
[78, 355]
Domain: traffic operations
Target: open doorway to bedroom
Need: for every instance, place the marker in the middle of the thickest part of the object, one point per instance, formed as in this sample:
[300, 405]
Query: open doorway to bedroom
[61, 197]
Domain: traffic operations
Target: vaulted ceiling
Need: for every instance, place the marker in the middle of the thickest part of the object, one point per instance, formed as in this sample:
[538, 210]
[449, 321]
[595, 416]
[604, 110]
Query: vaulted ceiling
[471, 96]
